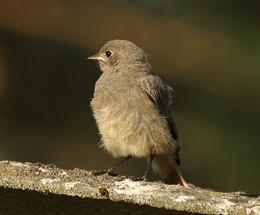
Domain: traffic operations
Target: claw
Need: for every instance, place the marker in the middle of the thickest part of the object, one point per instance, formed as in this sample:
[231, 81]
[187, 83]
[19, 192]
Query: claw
[138, 178]
[102, 172]
[98, 172]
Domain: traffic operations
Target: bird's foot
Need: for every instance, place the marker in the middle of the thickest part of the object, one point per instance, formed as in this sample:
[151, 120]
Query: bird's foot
[102, 172]
[139, 178]
[98, 172]
[145, 179]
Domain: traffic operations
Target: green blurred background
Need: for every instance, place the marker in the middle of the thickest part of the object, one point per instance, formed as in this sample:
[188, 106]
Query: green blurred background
[208, 51]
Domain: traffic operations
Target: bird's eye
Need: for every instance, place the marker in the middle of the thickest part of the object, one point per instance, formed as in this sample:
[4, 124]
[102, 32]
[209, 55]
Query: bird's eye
[108, 53]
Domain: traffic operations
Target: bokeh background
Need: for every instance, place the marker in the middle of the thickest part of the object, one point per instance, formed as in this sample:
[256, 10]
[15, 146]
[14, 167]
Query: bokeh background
[208, 51]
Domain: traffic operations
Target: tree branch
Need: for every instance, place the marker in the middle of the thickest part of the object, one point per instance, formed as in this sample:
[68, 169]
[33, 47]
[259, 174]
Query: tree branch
[36, 188]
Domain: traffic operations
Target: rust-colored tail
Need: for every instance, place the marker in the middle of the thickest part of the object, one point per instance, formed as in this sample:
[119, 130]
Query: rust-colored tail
[166, 166]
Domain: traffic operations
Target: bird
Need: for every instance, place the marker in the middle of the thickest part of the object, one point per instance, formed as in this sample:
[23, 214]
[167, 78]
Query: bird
[131, 106]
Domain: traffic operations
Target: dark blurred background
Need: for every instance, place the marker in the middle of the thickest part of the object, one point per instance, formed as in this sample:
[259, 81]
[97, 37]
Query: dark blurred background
[208, 51]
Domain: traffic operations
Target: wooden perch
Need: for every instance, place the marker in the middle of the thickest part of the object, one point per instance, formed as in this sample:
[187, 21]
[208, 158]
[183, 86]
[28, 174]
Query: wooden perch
[34, 188]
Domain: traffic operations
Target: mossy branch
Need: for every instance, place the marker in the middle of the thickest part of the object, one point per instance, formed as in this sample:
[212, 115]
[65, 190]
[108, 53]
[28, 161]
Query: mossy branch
[34, 188]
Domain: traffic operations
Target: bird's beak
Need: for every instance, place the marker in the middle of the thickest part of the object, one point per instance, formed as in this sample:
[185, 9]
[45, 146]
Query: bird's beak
[96, 57]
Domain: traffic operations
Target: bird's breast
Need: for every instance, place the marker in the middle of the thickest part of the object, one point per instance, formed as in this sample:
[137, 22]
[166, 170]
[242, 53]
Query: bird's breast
[128, 121]
[119, 100]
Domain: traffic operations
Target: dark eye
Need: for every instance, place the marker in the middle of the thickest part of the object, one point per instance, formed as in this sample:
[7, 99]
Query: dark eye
[108, 53]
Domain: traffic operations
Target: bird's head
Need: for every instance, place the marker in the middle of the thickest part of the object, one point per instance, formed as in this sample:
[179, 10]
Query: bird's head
[120, 55]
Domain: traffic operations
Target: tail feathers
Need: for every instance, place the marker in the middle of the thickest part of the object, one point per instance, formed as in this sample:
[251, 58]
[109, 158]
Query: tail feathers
[166, 166]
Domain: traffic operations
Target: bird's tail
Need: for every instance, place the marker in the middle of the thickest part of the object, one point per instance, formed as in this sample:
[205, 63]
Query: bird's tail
[166, 166]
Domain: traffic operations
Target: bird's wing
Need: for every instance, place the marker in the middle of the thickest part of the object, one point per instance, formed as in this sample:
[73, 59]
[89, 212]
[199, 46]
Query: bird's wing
[160, 94]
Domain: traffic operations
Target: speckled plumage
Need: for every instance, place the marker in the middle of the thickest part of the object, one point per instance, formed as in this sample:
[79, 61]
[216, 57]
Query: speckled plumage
[131, 105]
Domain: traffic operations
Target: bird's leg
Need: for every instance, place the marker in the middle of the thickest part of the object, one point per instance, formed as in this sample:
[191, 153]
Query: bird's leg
[111, 170]
[148, 167]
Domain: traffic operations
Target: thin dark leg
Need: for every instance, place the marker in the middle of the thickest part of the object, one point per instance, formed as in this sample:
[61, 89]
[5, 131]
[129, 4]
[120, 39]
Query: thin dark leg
[111, 170]
[148, 167]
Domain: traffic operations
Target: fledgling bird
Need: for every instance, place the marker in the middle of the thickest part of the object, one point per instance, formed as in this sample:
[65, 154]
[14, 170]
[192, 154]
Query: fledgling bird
[131, 105]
